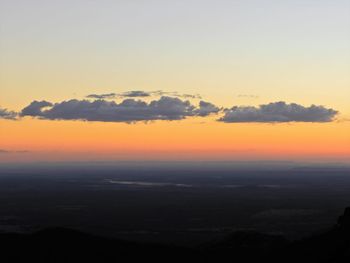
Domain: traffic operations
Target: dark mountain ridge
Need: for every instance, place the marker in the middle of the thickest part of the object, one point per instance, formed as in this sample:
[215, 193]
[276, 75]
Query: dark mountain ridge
[67, 245]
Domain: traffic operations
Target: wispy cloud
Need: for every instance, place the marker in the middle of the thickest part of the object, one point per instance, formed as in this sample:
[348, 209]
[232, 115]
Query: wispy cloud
[176, 94]
[6, 114]
[142, 94]
[251, 96]
[3, 151]
[102, 96]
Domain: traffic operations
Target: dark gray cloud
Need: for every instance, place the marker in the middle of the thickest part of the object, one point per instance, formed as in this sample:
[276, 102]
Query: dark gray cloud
[136, 93]
[8, 115]
[129, 110]
[171, 108]
[206, 108]
[279, 112]
[35, 108]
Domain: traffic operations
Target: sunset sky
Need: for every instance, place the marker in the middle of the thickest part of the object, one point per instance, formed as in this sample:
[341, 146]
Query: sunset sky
[218, 80]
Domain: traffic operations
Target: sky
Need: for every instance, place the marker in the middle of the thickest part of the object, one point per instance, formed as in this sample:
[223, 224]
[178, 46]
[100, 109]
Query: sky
[174, 80]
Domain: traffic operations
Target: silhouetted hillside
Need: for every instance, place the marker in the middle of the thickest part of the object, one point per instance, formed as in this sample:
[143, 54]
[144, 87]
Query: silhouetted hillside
[65, 245]
[332, 246]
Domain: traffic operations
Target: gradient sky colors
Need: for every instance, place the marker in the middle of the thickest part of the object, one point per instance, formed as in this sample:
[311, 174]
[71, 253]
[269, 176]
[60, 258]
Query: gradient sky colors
[232, 53]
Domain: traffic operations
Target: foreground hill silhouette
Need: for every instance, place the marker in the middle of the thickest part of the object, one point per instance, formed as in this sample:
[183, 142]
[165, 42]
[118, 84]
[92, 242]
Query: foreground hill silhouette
[66, 245]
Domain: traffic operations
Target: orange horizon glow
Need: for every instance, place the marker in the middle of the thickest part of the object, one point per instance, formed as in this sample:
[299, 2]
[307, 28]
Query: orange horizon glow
[186, 140]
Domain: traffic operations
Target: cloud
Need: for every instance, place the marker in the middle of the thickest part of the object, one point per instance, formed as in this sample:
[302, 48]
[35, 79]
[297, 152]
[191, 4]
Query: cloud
[102, 96]
[3, 151]
[251, 96]
[176, 94]
[136, 93]
[8, 115]
[279, 112]
[132, 110]
[141, 94]
[129, 110]
[128, 94]
[206, 108]
[35, 108]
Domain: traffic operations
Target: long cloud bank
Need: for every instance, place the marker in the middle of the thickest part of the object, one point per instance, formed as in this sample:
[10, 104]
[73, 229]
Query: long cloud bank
[129, 110]
[132, 109]
[279, 112]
